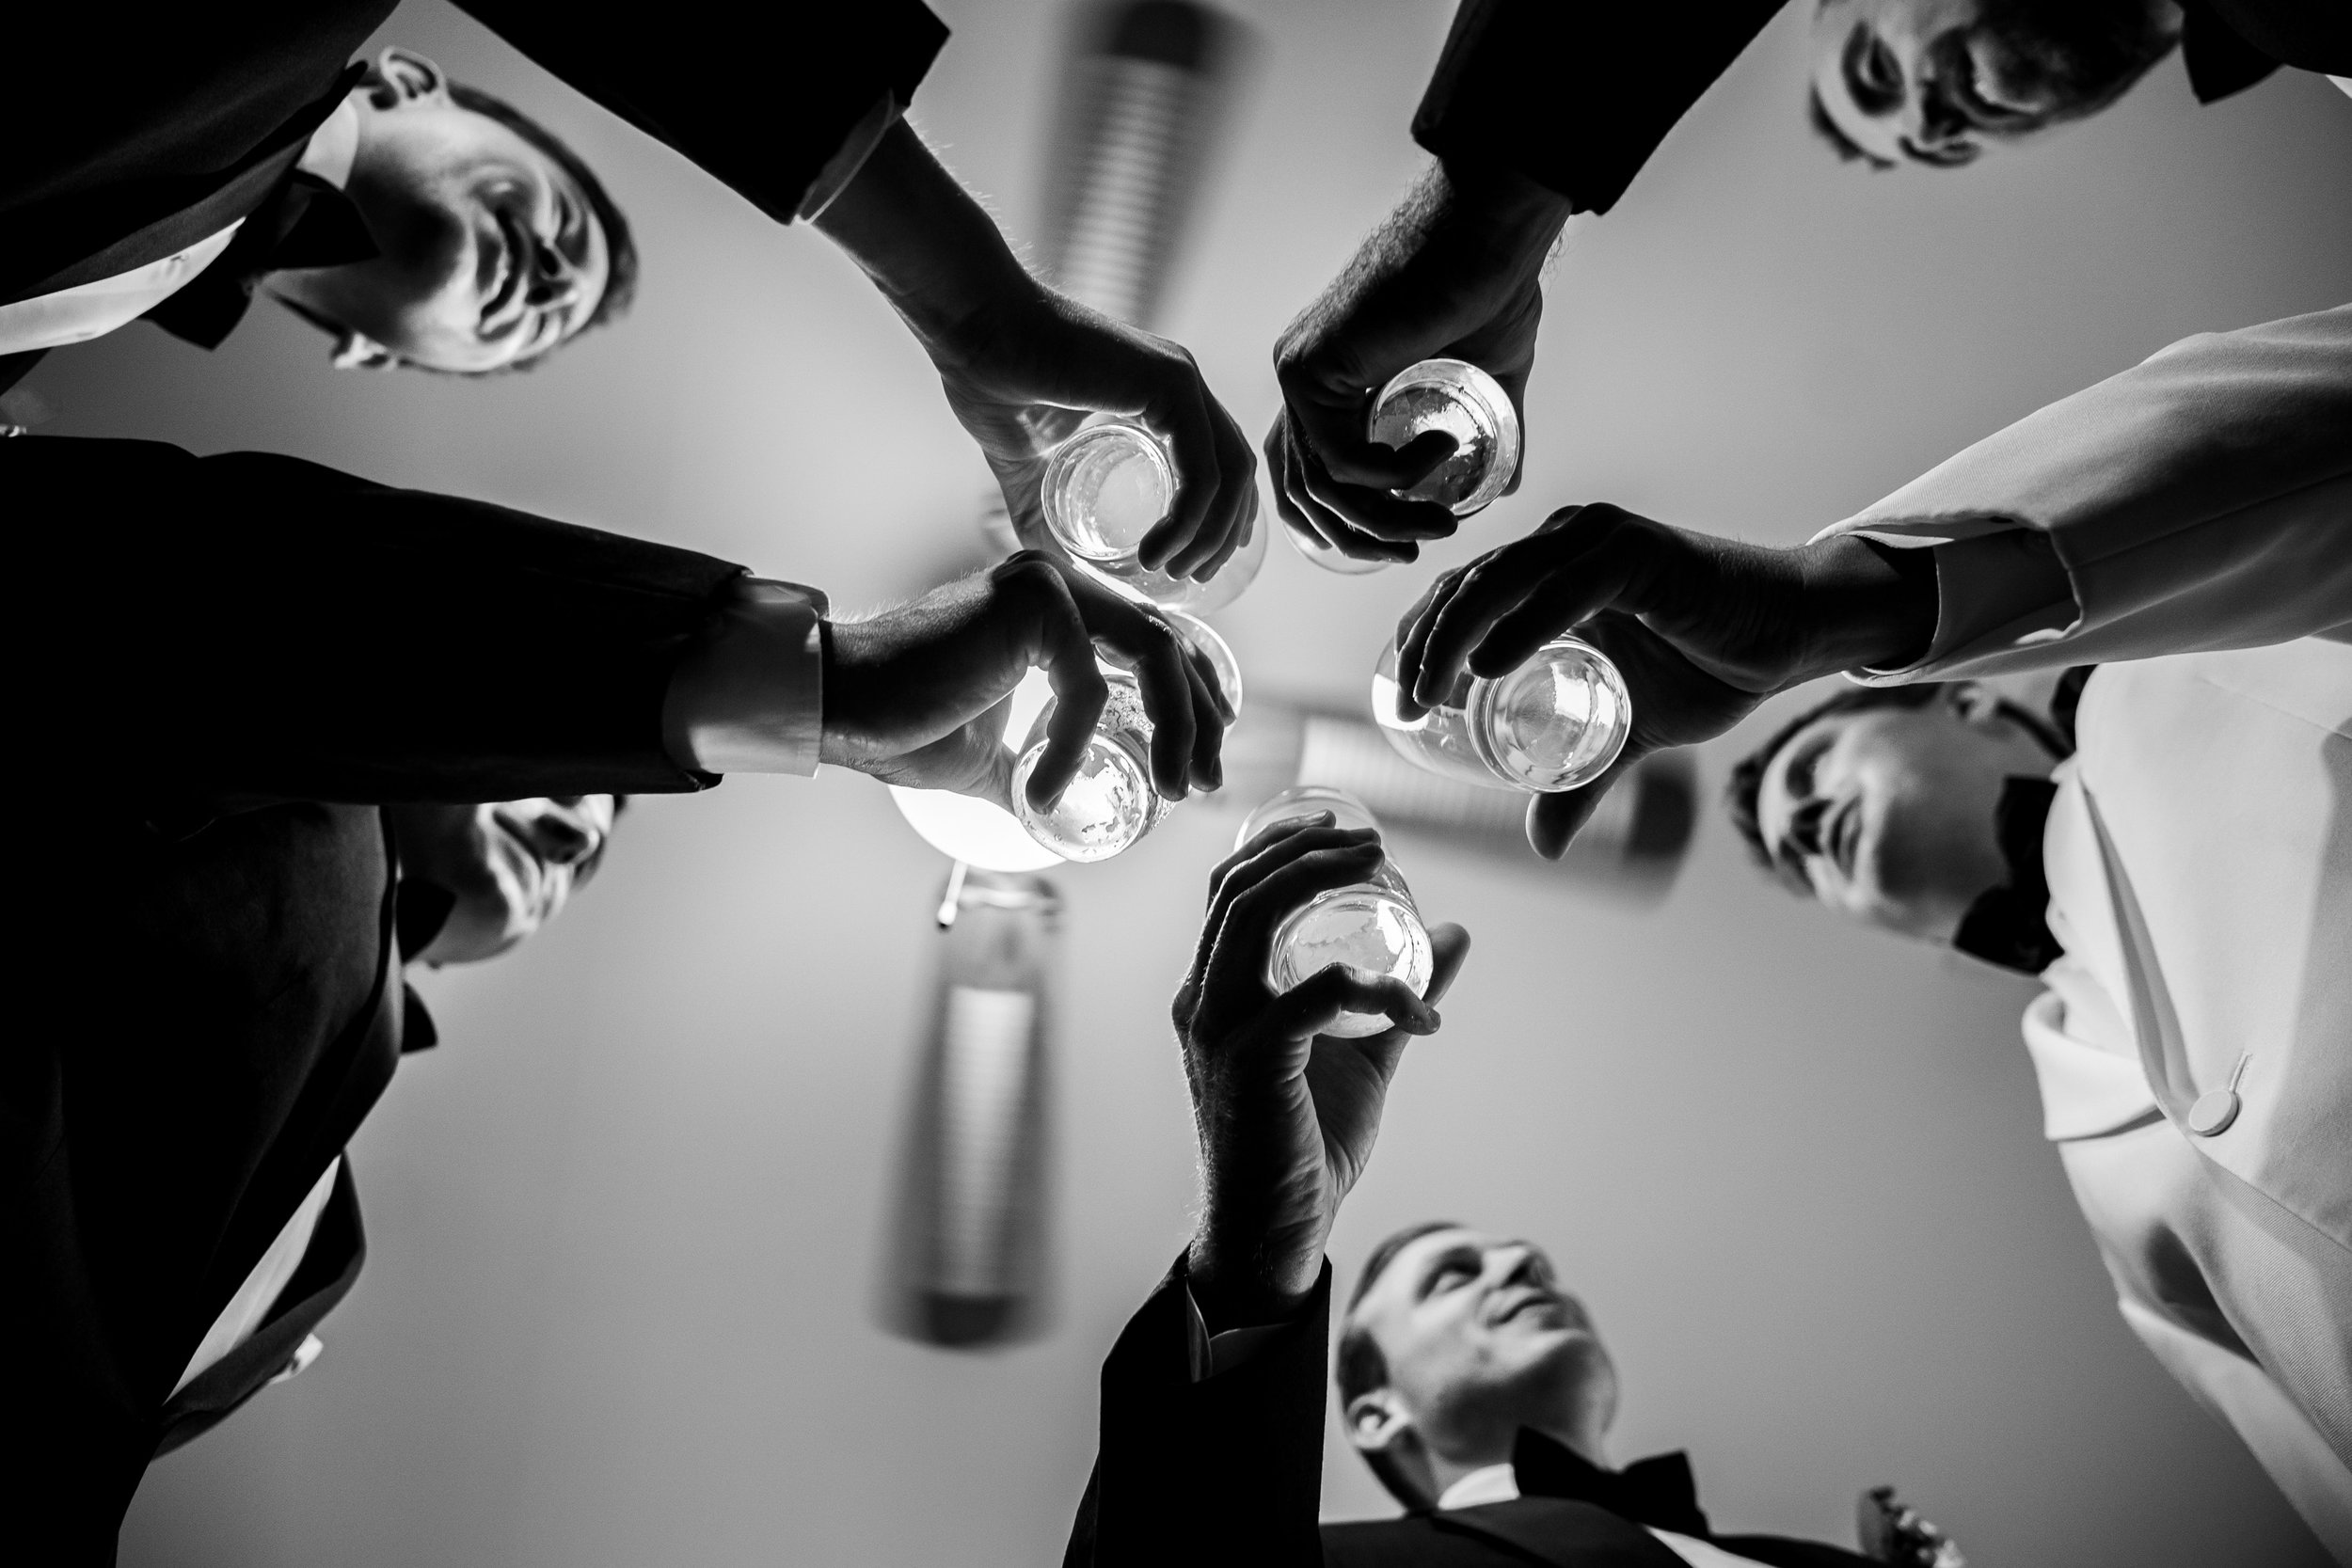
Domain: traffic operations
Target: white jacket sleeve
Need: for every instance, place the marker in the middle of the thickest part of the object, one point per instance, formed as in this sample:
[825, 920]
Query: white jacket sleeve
[2201, 500]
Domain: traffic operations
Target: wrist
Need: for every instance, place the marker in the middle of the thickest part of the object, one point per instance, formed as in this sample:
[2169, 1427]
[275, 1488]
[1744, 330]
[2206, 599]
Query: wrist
[928, 246]
[1869, 606]
[1236, 1288]
[1501, 209]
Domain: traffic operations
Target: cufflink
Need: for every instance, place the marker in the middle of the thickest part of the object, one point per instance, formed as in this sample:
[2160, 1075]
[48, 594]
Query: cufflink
[301, 1361]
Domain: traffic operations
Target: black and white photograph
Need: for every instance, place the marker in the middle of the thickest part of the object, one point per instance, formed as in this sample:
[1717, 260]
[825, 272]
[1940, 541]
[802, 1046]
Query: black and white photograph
[1167, 783]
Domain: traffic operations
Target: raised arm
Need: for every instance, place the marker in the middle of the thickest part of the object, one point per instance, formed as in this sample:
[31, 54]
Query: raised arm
[800, 108]
[1538, 110]
[1212, 1424]
[2201, 500]
[252, 626]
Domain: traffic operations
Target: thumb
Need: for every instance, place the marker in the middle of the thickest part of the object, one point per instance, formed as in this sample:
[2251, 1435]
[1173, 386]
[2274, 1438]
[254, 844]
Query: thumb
[1553, 820]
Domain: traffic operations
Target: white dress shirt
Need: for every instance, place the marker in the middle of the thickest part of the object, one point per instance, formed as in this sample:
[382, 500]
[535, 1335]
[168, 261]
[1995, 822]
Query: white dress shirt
[250, 1306]
[1498, 1483]
[93, 310]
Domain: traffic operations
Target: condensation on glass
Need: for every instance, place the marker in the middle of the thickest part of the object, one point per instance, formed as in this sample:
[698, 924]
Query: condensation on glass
[1110, 804]
[1373, 925]
[1554, 723]
[1107, 486]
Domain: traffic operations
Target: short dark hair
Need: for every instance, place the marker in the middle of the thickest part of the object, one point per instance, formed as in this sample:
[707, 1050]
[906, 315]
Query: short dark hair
[1848, 149]
[1747, 775]
[1360, 1367]
[620, 283]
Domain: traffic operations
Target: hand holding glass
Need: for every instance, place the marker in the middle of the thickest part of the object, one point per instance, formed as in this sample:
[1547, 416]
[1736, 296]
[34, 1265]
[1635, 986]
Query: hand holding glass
[1373, 927]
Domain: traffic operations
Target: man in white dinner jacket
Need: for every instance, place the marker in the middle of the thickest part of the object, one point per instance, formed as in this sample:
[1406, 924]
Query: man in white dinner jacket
[2181, 878]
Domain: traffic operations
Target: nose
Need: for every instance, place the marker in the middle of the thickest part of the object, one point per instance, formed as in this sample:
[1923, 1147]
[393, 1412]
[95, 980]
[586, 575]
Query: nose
[1512, 1263]
[1804, 827]
[557, 835]
[1941, 131]
[553, 281]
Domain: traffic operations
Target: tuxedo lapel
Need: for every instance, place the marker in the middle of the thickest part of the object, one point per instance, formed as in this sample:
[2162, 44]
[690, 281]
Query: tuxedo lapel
[1556, 1531]
[330, 1265]
[53, 250]
[305, 223]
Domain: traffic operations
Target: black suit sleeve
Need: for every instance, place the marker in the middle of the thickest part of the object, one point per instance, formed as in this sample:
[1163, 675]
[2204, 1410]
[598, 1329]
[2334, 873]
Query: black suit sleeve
[254, 626]
[760, 96]
[1577, 94]
[1228, 1470]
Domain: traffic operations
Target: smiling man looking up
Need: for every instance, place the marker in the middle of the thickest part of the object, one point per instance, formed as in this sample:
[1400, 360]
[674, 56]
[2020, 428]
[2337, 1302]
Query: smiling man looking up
[1940, 82]
[173, 153]
[422, 223]
[1475, 1386]
[2181, 884]
[493, 244]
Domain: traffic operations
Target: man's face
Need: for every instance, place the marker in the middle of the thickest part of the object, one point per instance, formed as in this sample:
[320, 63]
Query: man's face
[1939, 82]
[512, 865]
[1480, 1340]
[491, 252]
[1888, 815]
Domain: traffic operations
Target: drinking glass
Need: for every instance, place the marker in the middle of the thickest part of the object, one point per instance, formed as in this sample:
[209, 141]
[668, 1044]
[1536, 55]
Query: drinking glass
[1554, 723]
[1107, 486]
[1373, 925]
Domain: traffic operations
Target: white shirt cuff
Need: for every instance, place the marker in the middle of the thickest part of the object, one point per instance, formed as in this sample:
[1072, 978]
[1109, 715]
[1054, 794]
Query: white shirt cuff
[750, 697]
[2003, 588]
[855, 149]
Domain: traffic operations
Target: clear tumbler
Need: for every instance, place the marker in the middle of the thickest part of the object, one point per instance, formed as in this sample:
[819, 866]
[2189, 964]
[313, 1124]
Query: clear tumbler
[1459, 398]
[1107, 486]
[1370, 926]
[1110, 803]
[1554, 723]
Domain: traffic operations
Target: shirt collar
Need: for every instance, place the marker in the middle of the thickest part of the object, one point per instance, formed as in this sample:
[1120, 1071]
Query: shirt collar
[334, 146]
[1496, 1483]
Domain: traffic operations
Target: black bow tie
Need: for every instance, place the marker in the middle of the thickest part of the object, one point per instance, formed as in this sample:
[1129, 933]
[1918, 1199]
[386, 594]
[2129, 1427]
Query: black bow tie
[305, 223]
[1657, 1491]
[2009, 924]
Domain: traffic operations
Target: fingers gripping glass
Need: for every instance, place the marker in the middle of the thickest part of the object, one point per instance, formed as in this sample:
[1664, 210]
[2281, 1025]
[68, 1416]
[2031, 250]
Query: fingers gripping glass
[1457, 398]
[1110, 803]
[1556, 723]
[1372, 927]
[1107, 486]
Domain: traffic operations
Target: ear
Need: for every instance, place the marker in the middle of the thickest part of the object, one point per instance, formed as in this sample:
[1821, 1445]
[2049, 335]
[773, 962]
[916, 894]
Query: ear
[1377, 1423]
[1978, 705]
[357, 351]
[402, 77]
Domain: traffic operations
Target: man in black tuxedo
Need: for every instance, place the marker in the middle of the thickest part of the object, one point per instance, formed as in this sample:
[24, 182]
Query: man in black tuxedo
[231, 695]
[422, 223]
[1474, 1385]
[155, 144]
[1540, 110]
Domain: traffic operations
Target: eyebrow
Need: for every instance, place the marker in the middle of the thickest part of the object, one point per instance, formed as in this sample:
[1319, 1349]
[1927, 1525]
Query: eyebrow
[1426, 1277]
[1798, 778]
[1868, 96]
[1796, 781]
